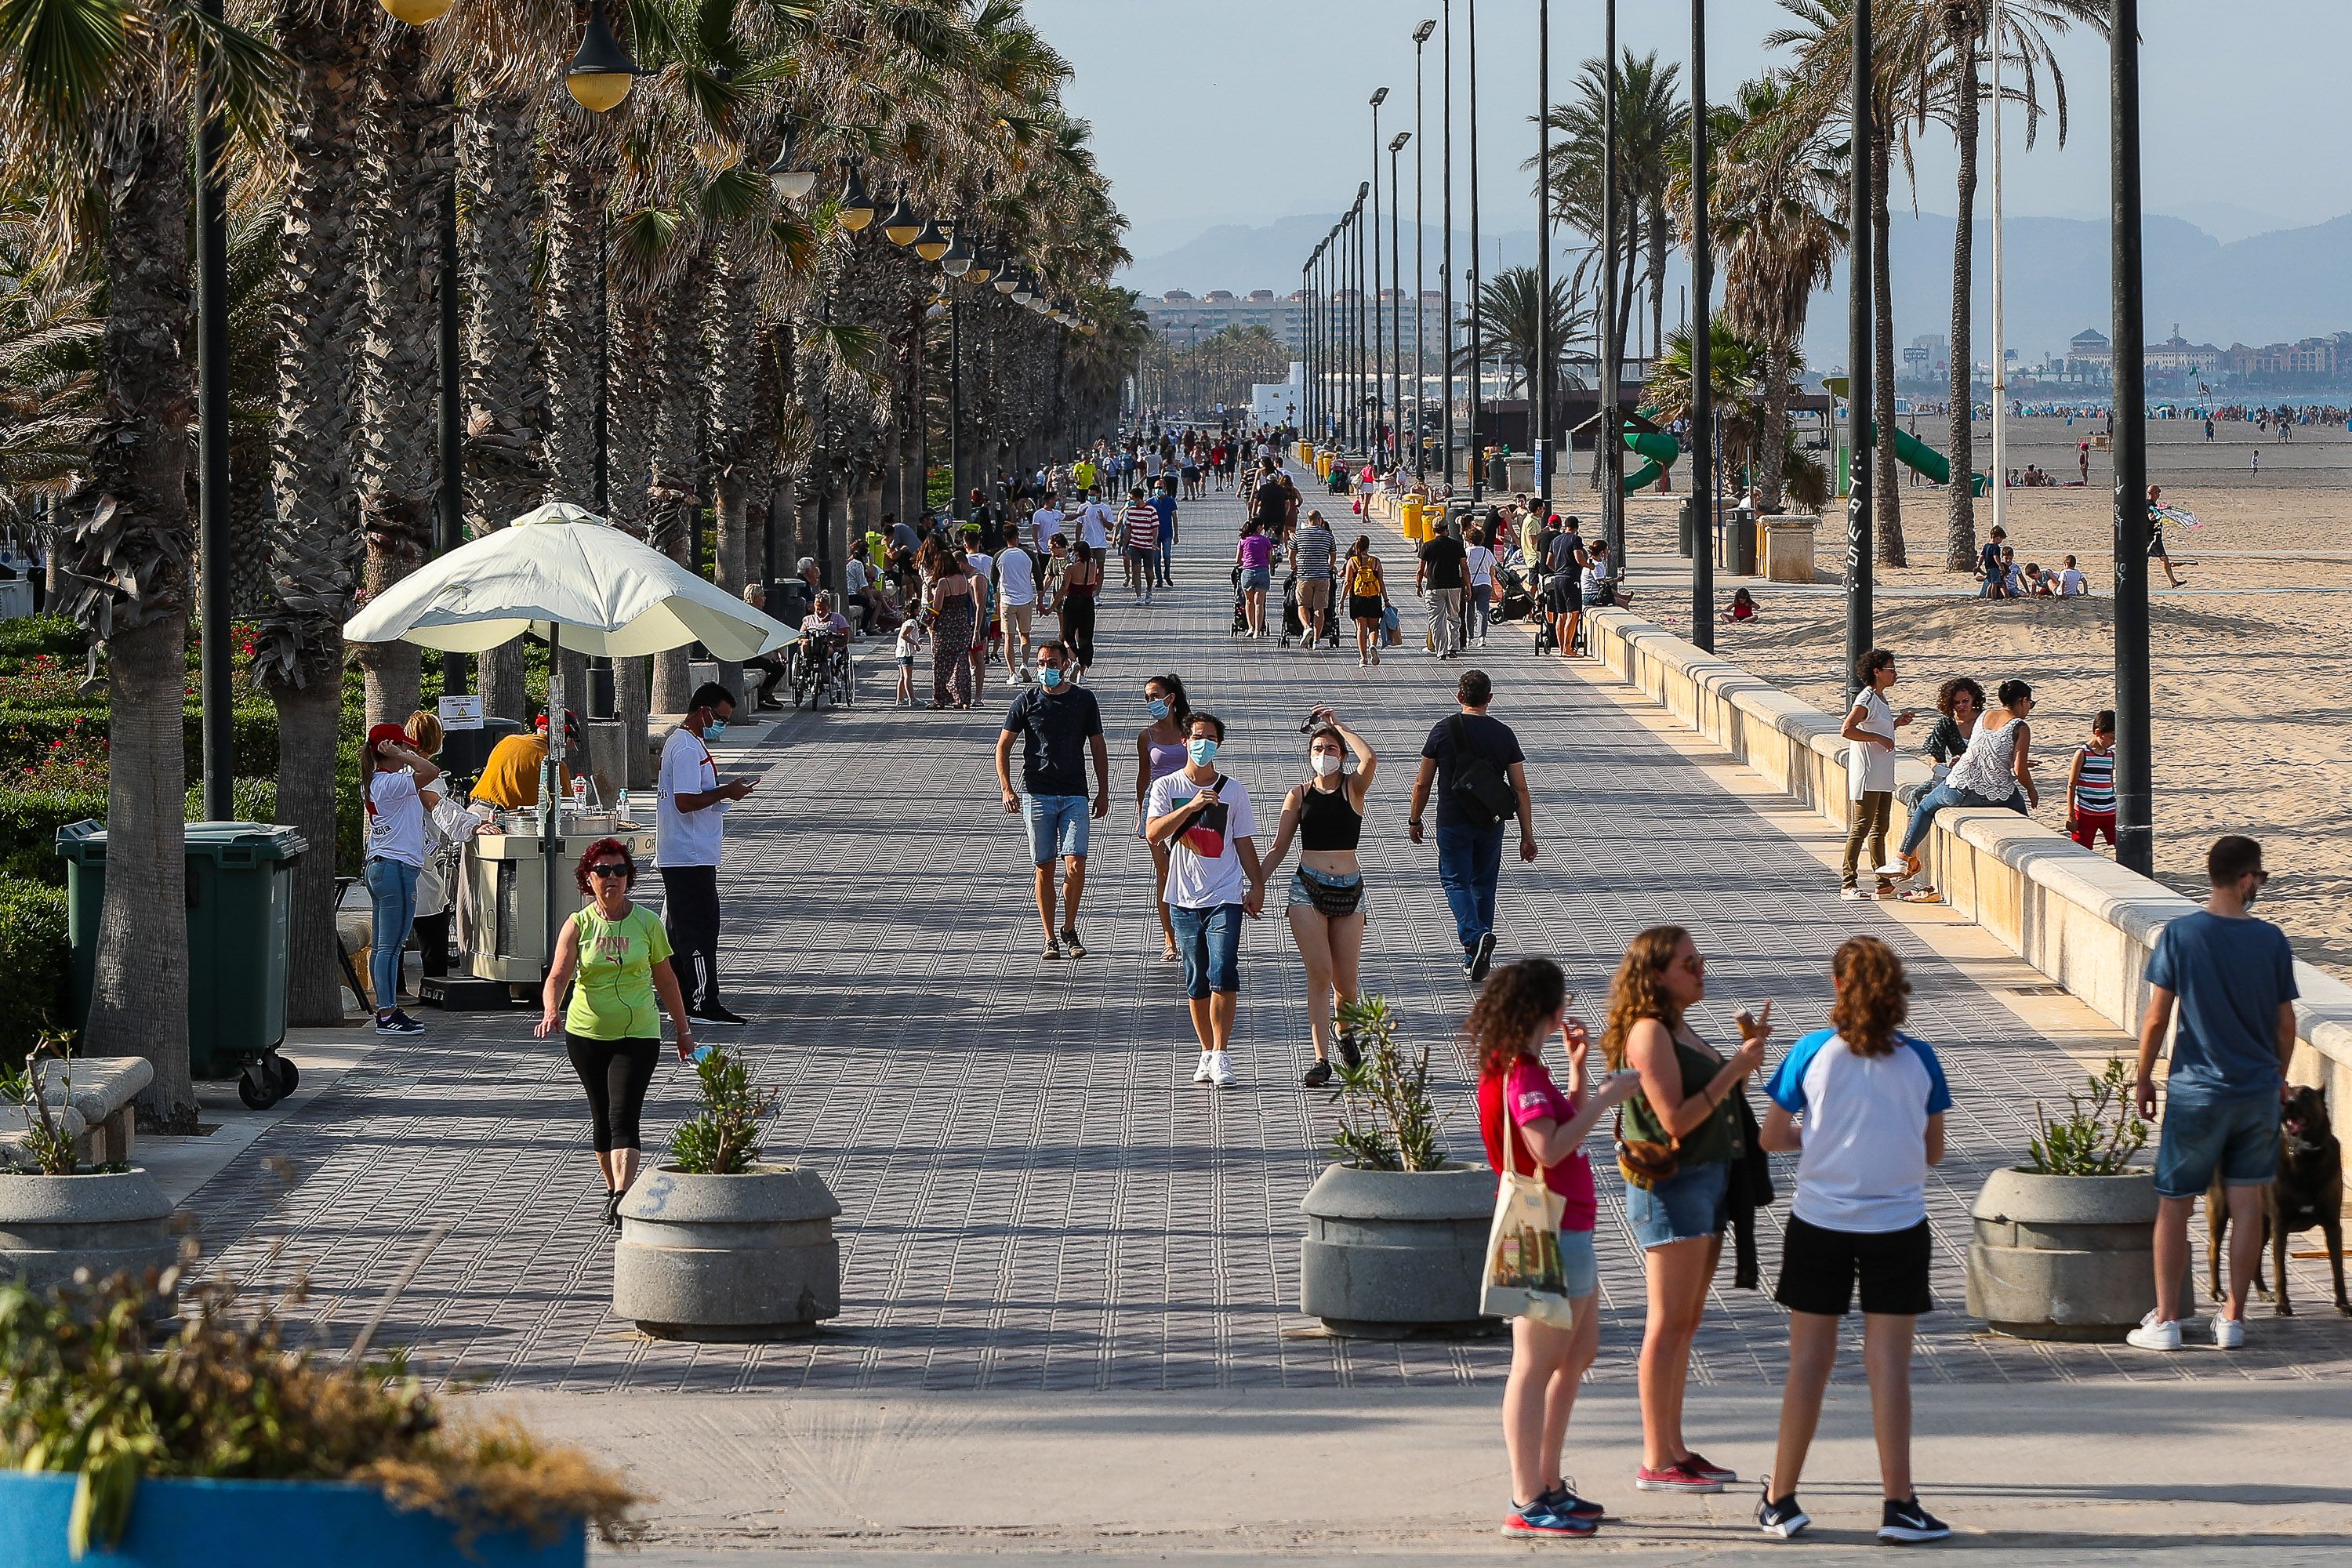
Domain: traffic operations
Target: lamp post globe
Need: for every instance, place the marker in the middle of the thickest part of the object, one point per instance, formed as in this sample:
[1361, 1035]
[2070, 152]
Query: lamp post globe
[417, 13]
[790, 182]
[1007, 280]
[901, 226]
[601, 75]
[957, 260]
[855, 208]
[931, 244]
[983, 267]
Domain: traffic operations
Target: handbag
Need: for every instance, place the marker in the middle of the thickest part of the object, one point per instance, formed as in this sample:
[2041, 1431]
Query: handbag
[1481, 793]
[1523, 1276]
[1643, 1162]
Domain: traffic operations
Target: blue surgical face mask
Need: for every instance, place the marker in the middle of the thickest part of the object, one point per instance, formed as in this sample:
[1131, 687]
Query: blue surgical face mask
[1049, 676]
[716, 727]
[1156, 707]
[1203, 752]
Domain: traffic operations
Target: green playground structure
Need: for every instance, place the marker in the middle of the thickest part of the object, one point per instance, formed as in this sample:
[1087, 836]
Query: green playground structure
[1657, 449]
[1921, 458]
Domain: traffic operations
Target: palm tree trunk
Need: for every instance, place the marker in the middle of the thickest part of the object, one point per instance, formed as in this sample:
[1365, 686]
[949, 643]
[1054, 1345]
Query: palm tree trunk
[133, 521]
[1960, 529]
[315, 548]
[505, 470]
[1886, 499]
[406, 171]
[1772, 436]
[676, 451]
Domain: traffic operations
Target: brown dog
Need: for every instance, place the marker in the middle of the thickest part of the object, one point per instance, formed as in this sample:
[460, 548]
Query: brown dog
[2308, 1194]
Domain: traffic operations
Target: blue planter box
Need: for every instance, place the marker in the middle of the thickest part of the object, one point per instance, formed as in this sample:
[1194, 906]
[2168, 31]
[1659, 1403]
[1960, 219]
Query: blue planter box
[254, 1524]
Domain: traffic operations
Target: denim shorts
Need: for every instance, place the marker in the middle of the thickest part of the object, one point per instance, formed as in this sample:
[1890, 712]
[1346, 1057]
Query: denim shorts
[1303, 895]
[2235, 1139]
[1692, 1203]
[1259, 578]
[1580, 1266]
[1210, 941]
[1057, 825]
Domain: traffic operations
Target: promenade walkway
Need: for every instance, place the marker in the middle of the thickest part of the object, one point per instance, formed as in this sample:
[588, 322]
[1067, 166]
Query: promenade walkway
[1037, 1201]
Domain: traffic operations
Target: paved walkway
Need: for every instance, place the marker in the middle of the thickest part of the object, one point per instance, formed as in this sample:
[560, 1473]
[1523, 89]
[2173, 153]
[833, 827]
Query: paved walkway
[1037, 1201]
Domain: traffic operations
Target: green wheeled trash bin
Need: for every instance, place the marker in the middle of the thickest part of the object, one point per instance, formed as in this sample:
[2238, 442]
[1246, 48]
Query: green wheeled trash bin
[240, 932]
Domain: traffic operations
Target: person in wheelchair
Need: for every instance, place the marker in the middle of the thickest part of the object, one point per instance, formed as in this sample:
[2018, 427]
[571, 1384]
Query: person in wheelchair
[824, 635]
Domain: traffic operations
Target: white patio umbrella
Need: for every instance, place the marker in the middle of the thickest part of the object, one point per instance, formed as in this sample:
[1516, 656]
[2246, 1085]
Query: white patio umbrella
[580, 584]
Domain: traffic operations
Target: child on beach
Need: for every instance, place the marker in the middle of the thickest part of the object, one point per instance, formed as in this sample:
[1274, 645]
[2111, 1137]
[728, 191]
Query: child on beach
[2091, 785]
[910, 641]
[1743, 607]
[2071, 583]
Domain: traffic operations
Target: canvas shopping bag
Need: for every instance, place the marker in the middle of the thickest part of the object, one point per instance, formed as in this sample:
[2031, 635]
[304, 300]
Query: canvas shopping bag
[1524, 1277]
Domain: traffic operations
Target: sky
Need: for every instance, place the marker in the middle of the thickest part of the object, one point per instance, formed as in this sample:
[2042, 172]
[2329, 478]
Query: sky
[1216, 111]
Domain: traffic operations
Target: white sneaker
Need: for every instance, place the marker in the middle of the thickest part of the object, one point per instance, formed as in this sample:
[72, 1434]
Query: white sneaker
[2229, 1334]
[1221, 1069]
[1852, 894]
[1892, 868]
[2152, 1335]
[1201, 1074]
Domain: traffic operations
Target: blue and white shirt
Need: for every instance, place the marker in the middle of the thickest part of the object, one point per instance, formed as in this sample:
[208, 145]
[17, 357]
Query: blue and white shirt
[1864, 1166]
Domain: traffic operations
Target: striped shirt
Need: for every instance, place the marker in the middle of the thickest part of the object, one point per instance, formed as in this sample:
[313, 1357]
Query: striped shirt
[1311, 552]
[2095, 792]
[1143, 526]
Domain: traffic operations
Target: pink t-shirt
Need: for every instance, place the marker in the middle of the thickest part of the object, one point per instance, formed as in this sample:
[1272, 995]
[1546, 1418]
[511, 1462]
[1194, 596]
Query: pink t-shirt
[1256, 550]
[1535, 1098]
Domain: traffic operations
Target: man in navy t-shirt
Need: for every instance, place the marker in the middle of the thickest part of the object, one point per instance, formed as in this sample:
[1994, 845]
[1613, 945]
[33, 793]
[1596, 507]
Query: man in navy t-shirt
[2230, 978]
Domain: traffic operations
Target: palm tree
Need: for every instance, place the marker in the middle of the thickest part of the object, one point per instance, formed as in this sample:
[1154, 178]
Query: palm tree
[49, 379]
[1506, 322]
[1775, 195]
[96, 96]
[1653, 131]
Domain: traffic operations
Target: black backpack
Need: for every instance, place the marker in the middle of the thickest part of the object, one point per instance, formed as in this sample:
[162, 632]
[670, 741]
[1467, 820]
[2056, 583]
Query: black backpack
[1482, 792]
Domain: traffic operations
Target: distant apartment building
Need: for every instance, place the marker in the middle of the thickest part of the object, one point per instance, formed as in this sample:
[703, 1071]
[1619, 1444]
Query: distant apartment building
[2306, 357]
[2177, 356]
[1184, 318]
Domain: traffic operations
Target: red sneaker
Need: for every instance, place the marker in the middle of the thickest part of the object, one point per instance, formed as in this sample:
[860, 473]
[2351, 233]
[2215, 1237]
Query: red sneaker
[1712, 1472]
[1677, 1477]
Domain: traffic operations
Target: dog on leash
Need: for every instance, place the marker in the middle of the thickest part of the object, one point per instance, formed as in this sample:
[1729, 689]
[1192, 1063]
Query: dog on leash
[2308, 1194]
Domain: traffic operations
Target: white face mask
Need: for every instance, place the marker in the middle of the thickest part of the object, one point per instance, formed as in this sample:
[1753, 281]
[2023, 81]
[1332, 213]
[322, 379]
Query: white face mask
[1325, 764]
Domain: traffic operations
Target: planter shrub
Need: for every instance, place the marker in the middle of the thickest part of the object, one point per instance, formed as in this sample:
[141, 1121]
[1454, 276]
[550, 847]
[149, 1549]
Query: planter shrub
[34, 962]
[29, 820]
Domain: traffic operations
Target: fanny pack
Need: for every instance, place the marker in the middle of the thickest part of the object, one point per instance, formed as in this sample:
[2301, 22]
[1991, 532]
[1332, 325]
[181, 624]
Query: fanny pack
[1643, 1162]
[1332, 899]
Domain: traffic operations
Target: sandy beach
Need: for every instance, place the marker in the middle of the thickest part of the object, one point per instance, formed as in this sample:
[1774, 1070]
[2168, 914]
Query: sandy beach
[2253, 699]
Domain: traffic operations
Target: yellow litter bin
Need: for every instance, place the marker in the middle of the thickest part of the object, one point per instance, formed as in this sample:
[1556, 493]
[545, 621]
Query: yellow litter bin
[1413, 519]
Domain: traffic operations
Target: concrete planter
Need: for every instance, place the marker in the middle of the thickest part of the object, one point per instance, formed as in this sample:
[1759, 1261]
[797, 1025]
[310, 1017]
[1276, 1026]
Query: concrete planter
[52, 1225]
[180, 1523]
[727, 1257]
[1392, 1253]
[2064, 1257]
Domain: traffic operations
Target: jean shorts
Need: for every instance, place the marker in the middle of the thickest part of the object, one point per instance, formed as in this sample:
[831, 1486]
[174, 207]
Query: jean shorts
[1691, 1204]
[1210, 941]
[1302, 893]
[1580, 1266]
[2236, 1139]
[1057, 825]
[1257, 578]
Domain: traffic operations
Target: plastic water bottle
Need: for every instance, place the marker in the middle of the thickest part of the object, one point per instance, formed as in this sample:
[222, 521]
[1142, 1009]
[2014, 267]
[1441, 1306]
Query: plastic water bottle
[703, 1053]
[621, 808]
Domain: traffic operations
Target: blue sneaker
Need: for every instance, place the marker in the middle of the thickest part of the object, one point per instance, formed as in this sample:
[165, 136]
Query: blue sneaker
[1540, 1518]
[1562, 1499]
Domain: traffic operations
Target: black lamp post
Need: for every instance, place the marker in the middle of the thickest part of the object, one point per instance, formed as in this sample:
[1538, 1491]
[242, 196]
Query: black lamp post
[1419, 325]
[1477, 347]
[2135, 762]
[1858, 361]
[1539, 384]
[1379, 367]
[1396, 316]
[219, 734]
[1612, 449]
[1702, 408]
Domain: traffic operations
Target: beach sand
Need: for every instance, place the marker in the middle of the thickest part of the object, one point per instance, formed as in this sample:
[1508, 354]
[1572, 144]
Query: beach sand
[2251, 693]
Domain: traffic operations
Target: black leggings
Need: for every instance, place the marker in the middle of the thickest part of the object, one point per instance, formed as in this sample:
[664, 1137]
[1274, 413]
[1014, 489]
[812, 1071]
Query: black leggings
[616, 1074]
[1078, 628]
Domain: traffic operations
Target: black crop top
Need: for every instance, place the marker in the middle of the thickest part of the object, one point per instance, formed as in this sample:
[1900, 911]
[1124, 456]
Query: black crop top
[1328, 819]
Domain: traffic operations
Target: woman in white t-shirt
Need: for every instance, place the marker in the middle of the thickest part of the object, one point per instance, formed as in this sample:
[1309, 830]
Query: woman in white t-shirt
[1480, 562]
[392, 779]
[1872, 1099]
[1870, 726]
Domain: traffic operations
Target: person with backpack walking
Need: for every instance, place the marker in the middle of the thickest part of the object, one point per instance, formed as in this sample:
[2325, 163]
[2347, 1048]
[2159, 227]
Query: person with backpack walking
[1480, 776]
[1213, 880]
[1872, 1099]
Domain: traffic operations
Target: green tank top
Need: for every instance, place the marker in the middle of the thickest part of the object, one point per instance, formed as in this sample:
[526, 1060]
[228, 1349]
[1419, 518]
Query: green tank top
[613, 999]
[1716, 1137]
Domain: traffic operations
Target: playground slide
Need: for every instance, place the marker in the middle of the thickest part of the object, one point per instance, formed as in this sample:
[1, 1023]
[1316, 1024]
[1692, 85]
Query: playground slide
[1658, 448]
[1921, 458]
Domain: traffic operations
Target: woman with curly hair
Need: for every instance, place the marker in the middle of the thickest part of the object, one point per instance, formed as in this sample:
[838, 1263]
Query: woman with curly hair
[621, 954]
[1872, 1100]
[1676, 1141]
[1521, 1007]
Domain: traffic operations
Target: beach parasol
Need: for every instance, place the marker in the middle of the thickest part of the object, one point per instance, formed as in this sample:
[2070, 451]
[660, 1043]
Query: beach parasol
[573, 578]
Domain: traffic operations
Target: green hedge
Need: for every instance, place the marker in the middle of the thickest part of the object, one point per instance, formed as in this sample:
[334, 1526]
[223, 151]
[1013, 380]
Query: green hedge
[34, 963]
[29, 636]
[27, 733]
[29, 820]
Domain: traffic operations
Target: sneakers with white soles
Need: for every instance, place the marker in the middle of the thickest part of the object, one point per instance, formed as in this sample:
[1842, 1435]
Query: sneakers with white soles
[2154, 1335]
[2229, 1334]
[1201, 1073]
[1221, 1070]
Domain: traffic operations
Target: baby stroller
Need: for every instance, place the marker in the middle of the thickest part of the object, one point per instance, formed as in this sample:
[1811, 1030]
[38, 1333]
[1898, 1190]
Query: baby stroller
[1547, 638]
[1513, 600]
[1292, 626]
[1241, 610]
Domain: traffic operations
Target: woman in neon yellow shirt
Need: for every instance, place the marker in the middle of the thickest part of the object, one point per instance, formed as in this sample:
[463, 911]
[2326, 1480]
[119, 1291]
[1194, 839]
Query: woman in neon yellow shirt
[612, 1031]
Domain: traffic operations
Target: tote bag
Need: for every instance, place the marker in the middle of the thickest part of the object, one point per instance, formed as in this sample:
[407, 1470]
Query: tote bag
[1523, 1277]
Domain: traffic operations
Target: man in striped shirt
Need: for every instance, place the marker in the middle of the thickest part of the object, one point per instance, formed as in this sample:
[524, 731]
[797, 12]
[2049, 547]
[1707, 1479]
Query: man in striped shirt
[1140, 535]
[1313, 553]
[2091, 786]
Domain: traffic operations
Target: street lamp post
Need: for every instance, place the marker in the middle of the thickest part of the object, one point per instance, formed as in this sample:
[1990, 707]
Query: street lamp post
[1445, 241]
[1612, 488]
[1396, 316]
[1420, 348]
[219, 735]
[2134, 788]
[1540, 383]
[1702, 408]
[1380, 370]
[1477, 345]
[1858, 362]
[449, 408]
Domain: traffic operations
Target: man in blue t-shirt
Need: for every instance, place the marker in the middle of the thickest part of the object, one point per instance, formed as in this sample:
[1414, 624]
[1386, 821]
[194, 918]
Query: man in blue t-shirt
[2231, 979]
[1163, 502]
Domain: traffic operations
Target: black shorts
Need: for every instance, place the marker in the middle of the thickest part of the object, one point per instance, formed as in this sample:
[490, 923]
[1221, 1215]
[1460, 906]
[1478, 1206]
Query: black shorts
[1563, 596]
[1819, 1268]
[1364, 606]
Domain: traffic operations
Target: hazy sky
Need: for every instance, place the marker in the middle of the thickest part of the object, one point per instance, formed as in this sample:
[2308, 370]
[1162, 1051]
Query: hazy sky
[1210, 111]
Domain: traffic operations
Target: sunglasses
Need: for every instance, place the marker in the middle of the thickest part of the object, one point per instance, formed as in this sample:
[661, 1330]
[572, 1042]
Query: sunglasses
[608, 870]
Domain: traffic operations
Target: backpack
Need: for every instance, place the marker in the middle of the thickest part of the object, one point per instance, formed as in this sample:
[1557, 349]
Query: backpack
[1482, 795]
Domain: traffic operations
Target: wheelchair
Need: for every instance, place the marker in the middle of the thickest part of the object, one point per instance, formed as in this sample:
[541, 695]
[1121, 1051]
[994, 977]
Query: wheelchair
[821, 673]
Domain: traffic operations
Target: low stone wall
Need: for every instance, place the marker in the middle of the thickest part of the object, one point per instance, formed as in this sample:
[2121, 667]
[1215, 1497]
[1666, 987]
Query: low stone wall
[2071, 912]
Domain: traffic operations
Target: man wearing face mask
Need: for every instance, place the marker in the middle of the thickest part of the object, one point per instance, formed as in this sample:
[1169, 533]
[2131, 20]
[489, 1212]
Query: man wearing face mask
[692, 818]
[1059, 725]
[1213, 878]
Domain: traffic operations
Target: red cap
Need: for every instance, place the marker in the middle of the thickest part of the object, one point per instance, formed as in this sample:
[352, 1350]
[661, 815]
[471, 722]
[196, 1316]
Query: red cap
[381, 733]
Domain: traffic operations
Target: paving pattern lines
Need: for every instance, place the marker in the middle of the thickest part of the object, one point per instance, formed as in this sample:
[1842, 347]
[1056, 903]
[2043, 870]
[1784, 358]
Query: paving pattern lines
[1035, 1196]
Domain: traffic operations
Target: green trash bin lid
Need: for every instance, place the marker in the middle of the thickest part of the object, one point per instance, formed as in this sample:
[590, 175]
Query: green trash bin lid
[226, 843]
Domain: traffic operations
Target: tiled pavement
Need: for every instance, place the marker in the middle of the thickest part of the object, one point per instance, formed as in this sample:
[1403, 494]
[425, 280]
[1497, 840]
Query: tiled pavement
[1037, 1197]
